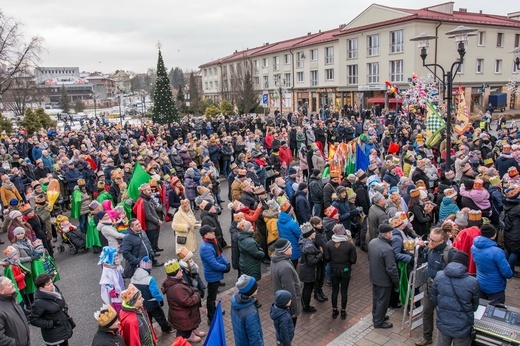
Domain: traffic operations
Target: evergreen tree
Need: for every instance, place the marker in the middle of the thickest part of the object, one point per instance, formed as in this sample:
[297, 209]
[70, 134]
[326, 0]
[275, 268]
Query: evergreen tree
[64, 100]
[181, 101]
[79, 106]
[195, 99]
[33, 121]
[247, 100]
[226, 108]
[164, 110]
[6, 125]
[177, 77]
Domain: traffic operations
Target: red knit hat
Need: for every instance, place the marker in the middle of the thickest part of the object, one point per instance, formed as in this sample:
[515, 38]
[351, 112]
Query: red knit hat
[331, 212]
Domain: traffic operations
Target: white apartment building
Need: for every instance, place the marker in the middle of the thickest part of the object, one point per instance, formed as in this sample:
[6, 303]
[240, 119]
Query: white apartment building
[349, 65]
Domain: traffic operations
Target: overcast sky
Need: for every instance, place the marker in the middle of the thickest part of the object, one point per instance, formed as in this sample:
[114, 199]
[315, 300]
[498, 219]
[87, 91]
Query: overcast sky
[105, 35]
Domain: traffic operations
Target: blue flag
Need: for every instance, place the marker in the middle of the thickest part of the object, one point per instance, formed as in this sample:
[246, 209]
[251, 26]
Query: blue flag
[361, 159]
[216, 335]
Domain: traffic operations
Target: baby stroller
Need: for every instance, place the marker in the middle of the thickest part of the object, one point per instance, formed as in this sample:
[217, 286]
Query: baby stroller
[70, 235]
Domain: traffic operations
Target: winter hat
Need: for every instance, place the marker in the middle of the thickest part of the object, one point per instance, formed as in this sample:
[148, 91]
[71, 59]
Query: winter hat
[10, 251]
[282, 298]
[208, 206]
[352, 178]
[461, 257]
[351, 194]
[244, 226]
[285, 206]
[146, 263]
[302, 186]
[339, 229]
[130, 295]
[172, 267]
[40, 199]
[273, 206]
[18, 230]
[106, 316]
[100, 214]
[206, 229]
[184, 254]
[13, 202]
[394, 189]
[340, 189]
[330, 212]
[385, 228]
[246, 285]
[316, 172]
[512, 193]
[423, 194]
[450, 193]
[292, 171]
[307, 230]
[94, 205]
[281, 245]
[461, 219]
[488, 231]
[377, 197]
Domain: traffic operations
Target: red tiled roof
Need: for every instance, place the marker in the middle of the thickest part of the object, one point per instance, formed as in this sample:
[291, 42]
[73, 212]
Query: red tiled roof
[459, 17]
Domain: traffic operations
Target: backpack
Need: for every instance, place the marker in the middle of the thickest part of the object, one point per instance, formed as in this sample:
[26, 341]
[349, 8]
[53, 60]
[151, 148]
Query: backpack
[446, 255]
[503, 221]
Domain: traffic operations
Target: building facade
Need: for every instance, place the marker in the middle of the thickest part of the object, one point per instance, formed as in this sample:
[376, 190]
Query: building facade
[349, 65]
[51, 80]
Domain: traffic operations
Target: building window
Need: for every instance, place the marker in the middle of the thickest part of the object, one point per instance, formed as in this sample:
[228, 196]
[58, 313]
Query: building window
[481, 39]
[329, 74]
[299, 77]
[205, 72]
[216, 84]
[352, 74]
[396, 41]
[276, 63]
[211, 85]
[299, 59]
[206, 85]
[314, 77]
[287, 79]
[255, 65]
[498, 66]
[215, 71]
[460, 70]
[396, 71]
[373, 72]
[265, 62]
[314, 54]
[287, 59]
[256, 80]
[373, 45]
[277, 78]
[500, 39]
[352, 48]
[329, 55]
[266, 82]
[517, 40]
[480, 66]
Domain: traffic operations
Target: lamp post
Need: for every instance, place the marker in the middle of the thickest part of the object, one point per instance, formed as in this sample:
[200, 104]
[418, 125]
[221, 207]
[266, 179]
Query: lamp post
[95, 106]
[461, 34]
[279, 84]
[120, 115]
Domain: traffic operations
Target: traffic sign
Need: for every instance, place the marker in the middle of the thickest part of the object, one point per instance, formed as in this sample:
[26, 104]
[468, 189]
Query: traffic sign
[265, 99]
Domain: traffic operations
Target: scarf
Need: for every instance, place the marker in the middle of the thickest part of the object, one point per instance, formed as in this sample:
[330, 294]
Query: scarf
[8, 185]
[339, 238]
[215, 244]
[53, 293]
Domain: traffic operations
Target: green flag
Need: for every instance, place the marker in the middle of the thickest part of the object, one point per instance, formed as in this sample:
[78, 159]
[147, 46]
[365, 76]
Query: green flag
[139, 177]
[325, 173]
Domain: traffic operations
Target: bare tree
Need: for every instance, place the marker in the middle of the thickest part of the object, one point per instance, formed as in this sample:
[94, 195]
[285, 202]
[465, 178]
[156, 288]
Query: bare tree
[22, 93]
[16, 55]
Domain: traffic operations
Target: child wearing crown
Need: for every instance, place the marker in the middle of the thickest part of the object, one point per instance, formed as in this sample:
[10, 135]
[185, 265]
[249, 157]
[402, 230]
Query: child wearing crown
[43, 264]
[111, 282]
[20, 275]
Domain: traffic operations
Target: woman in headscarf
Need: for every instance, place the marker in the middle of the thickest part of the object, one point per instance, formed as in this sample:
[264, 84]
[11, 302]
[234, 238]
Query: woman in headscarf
[185, 224]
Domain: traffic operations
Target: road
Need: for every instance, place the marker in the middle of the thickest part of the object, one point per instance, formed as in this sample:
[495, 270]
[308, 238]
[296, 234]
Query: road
[80, 279]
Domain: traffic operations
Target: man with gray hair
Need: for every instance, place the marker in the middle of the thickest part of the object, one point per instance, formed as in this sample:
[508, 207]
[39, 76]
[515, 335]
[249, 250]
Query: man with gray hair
[377, 214]
[14, 329]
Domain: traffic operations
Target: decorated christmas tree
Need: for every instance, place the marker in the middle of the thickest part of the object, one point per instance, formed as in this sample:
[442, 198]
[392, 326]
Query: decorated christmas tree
[164, 110]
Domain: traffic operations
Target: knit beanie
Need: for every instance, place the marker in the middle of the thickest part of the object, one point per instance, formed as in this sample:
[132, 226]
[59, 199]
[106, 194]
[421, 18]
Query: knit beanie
[461, 257]
[206, 229]
[281, 245]
[488, 231]
[281, 298]
[246, 285]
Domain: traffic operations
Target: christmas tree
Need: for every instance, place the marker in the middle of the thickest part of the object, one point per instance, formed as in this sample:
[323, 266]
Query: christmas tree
[164, 110]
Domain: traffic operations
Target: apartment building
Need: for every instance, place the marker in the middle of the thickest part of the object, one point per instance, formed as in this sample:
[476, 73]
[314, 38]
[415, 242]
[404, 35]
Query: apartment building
[349, 65]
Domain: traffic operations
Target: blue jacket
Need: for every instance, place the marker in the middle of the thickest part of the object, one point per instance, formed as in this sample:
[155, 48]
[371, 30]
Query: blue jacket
[448, 207]
[455, 316]
[214, 152]
[36, 153]
[289, 229]
[398, 246]
[283, 324]
[247, 328]
[48, 162]
[72, 176]
[343, 211]
[214, 266]
[492, 266]
[288, 187]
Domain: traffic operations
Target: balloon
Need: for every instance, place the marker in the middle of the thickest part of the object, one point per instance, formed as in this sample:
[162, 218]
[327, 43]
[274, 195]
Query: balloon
[53, 191]
[388, 83]
[392, 89]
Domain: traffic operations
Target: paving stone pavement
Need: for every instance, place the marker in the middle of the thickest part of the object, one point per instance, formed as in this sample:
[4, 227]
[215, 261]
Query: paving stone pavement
[319, 329]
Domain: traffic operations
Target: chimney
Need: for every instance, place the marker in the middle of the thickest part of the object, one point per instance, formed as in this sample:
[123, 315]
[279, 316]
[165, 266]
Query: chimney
[319, 31]
[266, 44]
[309, 33]
[236, 51]
[480, 11]
[463, 10]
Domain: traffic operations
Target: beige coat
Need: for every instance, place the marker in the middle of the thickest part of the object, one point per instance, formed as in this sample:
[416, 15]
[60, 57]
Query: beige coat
[184, 225]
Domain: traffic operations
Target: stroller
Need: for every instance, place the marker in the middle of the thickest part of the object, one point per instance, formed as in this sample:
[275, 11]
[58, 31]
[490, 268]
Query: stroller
[70, 235]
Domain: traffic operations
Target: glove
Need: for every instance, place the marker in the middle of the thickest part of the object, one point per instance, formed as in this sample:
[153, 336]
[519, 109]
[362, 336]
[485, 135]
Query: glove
[113, 293]
[228, 268]
[35, 258]
[57, 323]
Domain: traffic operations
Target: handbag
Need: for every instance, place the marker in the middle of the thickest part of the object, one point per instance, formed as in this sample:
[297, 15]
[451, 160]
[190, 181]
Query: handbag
[181, 239]
[171, 211]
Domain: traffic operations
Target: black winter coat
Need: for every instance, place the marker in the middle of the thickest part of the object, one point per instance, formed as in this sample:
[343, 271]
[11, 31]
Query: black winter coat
[107, 337]
[315, 190]
[512, 221]
[328, 190]
[135, 246]
[235, 251]
[302, 207]
[382, 263]
[210, 219]
[311, 256]
[340, 255]
[419, 174]
[249, 200]
[48, 311]
[362, 198]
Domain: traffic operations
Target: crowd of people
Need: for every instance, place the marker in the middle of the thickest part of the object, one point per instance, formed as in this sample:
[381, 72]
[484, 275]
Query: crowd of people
[290, 206]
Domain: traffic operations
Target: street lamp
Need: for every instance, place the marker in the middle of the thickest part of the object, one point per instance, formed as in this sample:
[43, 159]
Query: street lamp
[95, 105]
[280, 85]
[461, 34]
[516, 52]
[120, 116]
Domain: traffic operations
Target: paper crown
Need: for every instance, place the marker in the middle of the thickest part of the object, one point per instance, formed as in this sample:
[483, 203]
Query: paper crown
[184, 254]
[396, 222]
[10, 251]
[201, 190]
[478, 184]
[494, 180]
[306, 227]
[512, 171]
[475, 215]
[106, 316]
[285, 206]
[420, 183]
[171, 266]
[25, 209]
[206, 180]
[335, 169]
[81, 182]
[130, 295]
[450, 193]
[415, 193]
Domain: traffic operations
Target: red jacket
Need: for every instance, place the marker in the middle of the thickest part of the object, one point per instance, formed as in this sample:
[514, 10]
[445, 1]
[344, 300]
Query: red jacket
[135, 326]
[463, 242]
[183, 304]
[269, 138]
[285, 155]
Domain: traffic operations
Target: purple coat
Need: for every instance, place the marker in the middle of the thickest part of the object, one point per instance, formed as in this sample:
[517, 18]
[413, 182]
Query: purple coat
[191, 188]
